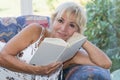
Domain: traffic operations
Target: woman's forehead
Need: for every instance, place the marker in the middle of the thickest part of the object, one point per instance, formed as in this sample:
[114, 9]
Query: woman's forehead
[66, 15]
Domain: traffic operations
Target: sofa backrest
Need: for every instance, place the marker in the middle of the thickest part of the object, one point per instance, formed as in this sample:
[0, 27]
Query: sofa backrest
[10, 26]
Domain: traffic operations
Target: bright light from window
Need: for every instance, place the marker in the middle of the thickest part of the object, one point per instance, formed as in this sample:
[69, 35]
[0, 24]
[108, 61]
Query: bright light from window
[9, 7]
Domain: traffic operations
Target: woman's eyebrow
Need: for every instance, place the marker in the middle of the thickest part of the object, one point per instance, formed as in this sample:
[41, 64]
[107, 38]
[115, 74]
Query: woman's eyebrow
[74, 23]
[62, 18]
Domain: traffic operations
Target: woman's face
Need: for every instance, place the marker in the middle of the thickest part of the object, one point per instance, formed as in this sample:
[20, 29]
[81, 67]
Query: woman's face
[64, 27]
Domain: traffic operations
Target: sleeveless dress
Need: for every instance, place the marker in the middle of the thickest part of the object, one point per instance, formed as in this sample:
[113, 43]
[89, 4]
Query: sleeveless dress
[25, 56]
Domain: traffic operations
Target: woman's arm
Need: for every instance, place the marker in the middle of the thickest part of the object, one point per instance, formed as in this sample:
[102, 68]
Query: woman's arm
[96, 55]
[90, 55]
[23, 39]
[80, 58]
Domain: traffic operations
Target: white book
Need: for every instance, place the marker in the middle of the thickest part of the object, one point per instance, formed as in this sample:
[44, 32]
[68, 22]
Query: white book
[56, 49]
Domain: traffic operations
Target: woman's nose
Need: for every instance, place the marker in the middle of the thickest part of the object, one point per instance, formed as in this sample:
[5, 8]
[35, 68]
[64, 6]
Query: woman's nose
[64, 27]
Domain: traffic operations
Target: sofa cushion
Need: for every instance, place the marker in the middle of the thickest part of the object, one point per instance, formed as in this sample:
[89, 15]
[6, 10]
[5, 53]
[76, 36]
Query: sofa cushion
[42, 20]
[10, 26]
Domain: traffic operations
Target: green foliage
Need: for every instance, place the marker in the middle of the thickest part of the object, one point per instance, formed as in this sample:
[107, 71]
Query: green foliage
[103, 27]
[49, 3]
[116, 18]
[98, 22]
[116, 22]
[116, 62]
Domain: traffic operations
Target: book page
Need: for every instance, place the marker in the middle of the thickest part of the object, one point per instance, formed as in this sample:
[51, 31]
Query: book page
[71, 50]
[47, 53]
[75, 44]
[56, 41]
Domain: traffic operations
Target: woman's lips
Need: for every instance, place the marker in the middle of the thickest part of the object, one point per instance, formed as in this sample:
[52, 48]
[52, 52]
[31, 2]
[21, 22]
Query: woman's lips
[61, 34]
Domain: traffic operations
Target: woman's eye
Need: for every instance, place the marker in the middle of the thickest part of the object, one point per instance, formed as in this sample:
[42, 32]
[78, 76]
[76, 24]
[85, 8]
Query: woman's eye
[60, 20]
[72, 25]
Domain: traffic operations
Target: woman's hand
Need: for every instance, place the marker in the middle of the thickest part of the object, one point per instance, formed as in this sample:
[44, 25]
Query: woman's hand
[75, 37]
[48, 69]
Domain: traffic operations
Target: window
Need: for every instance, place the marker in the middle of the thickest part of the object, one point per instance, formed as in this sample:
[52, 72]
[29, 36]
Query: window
[9, 7]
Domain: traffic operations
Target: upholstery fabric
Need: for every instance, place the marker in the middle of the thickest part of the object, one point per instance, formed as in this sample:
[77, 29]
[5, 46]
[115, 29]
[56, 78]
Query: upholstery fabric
[86, 72]
[10, 26]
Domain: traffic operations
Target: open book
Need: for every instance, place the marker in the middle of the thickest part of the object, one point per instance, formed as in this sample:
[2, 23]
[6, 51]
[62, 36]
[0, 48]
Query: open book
[56, 49]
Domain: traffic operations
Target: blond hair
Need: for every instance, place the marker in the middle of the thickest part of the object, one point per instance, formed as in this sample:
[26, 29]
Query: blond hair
[72, 8]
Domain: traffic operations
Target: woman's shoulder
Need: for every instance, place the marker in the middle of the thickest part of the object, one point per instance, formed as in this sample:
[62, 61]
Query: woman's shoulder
[34, 27]
[36, 30]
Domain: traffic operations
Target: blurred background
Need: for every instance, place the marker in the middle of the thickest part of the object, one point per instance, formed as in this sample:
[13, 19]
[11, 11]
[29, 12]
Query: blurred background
[103, 26]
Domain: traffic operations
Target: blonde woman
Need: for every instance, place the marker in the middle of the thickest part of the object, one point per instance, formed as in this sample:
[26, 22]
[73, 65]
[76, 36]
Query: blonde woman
[68, 19]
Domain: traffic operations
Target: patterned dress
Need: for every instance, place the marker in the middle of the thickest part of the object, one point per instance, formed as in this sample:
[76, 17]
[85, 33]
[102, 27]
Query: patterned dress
[25, 56]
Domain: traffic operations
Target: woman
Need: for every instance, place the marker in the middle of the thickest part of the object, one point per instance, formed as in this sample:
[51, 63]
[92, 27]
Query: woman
[68, 19]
